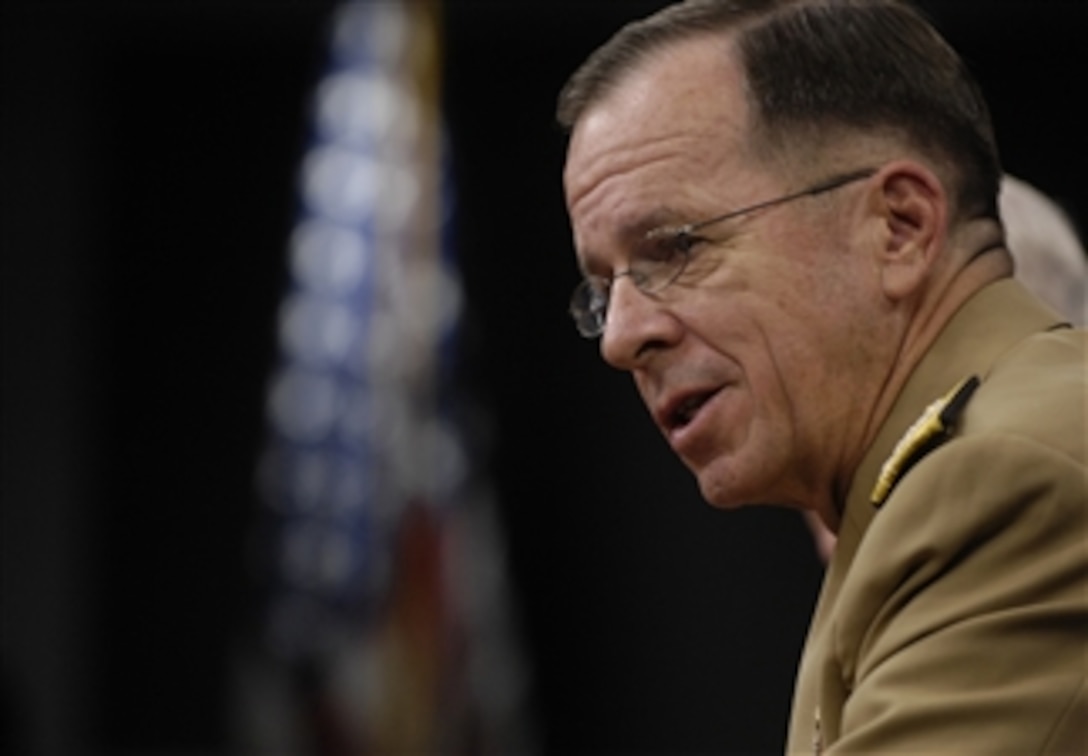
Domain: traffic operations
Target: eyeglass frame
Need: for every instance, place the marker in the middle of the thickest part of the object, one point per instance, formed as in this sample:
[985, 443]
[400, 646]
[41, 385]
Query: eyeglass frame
[590, 319]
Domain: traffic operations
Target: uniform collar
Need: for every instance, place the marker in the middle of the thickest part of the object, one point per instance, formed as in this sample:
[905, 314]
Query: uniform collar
[987, 325]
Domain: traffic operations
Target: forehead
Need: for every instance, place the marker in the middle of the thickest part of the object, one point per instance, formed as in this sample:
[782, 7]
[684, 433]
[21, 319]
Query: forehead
[673, 124]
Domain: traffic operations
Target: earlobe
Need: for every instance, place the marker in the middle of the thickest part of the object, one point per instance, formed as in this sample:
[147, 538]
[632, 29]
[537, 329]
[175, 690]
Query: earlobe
[912, 207]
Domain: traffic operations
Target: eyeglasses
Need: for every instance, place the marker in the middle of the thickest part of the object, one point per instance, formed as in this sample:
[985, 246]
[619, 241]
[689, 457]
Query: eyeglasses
[670, 252]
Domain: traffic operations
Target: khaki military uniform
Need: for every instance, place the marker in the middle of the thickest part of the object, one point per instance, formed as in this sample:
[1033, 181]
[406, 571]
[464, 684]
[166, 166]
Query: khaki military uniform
[954, 614]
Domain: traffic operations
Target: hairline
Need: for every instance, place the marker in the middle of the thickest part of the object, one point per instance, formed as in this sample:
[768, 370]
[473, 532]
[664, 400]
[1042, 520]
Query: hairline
[768, 146]
[770, 141]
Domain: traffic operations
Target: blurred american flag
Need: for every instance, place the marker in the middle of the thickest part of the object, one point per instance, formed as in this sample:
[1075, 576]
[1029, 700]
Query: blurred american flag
[386, 625]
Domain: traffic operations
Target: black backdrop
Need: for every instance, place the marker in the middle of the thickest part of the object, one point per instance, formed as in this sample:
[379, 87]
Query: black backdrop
[149, 157]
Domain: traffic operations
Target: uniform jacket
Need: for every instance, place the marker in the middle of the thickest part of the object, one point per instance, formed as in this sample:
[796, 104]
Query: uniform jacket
[953, 617]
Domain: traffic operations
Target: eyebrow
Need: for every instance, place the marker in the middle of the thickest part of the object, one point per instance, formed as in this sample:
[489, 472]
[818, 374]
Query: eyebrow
[662, 216]
[635, 231]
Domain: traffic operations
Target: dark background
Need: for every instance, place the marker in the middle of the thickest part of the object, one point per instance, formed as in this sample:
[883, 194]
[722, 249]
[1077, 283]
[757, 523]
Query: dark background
[149, 154]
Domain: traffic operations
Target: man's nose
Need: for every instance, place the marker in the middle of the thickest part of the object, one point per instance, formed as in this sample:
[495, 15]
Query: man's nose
[635, 326]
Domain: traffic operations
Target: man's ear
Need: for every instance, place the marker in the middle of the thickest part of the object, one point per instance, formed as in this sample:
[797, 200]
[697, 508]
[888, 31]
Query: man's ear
[912, 206]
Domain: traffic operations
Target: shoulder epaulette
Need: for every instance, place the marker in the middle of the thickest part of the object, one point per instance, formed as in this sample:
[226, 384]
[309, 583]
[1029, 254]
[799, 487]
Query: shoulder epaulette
[928, 432]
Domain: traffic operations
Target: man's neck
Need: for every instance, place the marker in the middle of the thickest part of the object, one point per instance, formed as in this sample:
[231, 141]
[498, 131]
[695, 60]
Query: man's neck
[976, 259]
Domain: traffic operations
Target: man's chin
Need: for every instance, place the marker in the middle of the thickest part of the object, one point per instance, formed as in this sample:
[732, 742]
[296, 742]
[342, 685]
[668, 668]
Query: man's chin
[721, 488]
[719, 495]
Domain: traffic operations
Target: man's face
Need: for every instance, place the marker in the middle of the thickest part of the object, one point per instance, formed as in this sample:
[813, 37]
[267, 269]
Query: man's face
[748, 361]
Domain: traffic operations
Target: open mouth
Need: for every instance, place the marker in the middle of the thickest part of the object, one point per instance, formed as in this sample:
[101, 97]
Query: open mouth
[686, 410]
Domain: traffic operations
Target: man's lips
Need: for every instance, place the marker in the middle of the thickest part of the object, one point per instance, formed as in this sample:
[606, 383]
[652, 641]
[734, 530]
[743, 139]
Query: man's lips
[680, 409]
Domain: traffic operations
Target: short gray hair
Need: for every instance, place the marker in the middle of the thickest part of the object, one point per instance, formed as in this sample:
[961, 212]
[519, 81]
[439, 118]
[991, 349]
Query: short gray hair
[814, 66]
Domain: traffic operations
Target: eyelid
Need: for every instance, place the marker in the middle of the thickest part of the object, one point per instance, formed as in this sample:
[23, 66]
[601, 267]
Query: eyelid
[666, 242]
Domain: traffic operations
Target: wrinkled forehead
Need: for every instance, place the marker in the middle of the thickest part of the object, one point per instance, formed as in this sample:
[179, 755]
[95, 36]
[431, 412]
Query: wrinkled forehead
[673, 128]
[686, 98]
